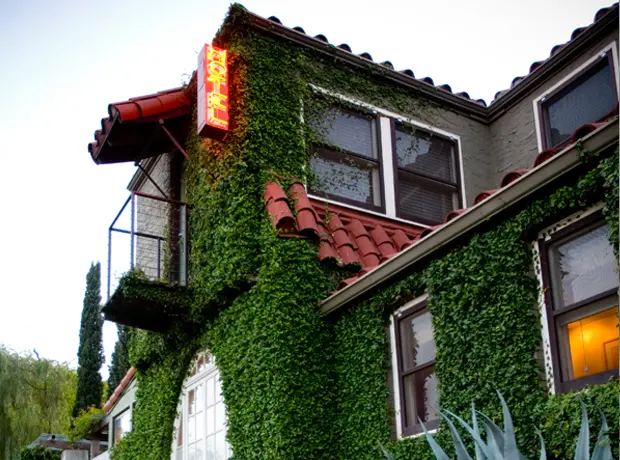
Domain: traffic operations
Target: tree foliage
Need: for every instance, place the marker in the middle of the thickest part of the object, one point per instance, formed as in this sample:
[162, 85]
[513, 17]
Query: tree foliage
[36, 396]
[90, 352]
[120, 359]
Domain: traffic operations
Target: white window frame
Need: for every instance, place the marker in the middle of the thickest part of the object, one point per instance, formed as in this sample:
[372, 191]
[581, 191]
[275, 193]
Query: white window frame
[567, 80]
[397, 390]
[546, 234]
[189, 384]
[384, 118]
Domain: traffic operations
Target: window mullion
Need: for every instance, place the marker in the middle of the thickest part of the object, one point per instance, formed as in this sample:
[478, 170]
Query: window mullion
[387, 154]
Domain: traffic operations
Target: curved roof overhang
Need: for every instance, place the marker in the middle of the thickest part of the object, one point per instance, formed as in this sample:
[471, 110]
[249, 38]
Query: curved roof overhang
[133, 130]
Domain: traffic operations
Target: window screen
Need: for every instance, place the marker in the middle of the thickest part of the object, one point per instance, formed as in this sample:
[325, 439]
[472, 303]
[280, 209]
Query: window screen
[589, 98]
[427, 179]
[345, 163]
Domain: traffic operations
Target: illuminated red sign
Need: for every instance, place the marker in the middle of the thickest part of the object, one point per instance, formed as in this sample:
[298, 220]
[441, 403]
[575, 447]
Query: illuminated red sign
[212, 93]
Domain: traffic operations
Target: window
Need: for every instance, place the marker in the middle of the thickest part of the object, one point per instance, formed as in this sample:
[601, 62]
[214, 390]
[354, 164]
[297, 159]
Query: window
[121, 425]
[587, 98]
[201, 426]
[346, 165]
[427, 179]
[581, 284]
[368, 160]
[418, 395]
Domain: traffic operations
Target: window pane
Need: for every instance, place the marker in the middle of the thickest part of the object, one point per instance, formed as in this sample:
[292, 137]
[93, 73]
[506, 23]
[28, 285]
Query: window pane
[422, 199]
[589, 101]
[416, 340]
[346, 178]
[210, 450]
[180, 432]
[200, 425]
[590, 345]
[210, 420]
[191, 404]
[220, 445]
[219, 416]
[348, 131]
[583, 267]
[430, 155]
[421, 397]
[210, 391]
[122, 425]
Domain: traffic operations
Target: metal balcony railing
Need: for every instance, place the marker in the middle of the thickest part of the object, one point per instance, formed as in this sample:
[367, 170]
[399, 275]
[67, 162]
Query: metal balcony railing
[148, 233]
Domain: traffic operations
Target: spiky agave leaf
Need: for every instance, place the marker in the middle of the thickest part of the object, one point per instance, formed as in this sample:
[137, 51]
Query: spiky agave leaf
[475, 434]
[602, 450]
[387, 454]
[543, 449]
[495, 436]
[459, 447]
[511, 452]
[437, 450]
[479, 455]
[582, 449]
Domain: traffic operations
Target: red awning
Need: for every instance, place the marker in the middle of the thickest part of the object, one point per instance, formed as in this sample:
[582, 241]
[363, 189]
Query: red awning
[131, 133]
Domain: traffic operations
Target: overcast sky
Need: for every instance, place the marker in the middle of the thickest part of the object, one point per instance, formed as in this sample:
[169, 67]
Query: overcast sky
[64, 61]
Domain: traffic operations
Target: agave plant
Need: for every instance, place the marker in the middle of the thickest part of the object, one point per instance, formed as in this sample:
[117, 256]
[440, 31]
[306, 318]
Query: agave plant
[502, 445]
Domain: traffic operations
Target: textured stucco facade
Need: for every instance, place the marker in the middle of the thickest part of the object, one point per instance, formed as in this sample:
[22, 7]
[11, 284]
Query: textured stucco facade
[513, 138]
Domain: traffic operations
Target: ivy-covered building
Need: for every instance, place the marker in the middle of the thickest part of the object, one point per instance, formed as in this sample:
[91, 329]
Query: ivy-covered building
[348, 249]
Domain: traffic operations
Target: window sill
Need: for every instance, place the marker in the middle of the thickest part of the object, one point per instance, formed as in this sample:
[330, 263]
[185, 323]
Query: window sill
[367, 211]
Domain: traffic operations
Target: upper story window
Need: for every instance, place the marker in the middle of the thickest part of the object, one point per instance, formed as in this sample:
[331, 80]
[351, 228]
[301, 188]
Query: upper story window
[588, 96]
[427, 180]
[368, 160]
[580, 277]
[414, 364]
[346, 164]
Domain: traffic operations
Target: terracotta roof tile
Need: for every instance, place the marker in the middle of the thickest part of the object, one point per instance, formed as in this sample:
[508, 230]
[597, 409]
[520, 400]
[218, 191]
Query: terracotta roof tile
[512, 176]
[602, 12]
[164, 105]
[344, 237]
[454, 214]
[484, 195]
[118, 391]
[353, 238]
[557, 48]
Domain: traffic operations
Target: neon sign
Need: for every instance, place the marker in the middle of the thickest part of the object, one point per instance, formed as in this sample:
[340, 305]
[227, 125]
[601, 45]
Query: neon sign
[212, 93]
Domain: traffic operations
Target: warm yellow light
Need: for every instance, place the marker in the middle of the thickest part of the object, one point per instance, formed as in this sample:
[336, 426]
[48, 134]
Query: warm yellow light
[593, 343]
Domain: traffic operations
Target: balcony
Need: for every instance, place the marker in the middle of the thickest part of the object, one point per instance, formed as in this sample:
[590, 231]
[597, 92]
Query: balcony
[147, 263]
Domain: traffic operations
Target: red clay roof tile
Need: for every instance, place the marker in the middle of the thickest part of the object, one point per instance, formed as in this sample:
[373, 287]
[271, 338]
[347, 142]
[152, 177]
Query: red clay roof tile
[512, 176]
[118, 391]
[358, 238]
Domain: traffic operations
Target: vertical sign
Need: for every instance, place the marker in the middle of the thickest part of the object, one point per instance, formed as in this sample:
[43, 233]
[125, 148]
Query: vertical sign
[212, 93]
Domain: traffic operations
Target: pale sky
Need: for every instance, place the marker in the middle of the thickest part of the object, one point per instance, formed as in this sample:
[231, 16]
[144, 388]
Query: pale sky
[64, 61]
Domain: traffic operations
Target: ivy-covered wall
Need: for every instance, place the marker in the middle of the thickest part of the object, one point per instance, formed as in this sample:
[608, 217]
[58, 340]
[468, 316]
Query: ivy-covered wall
[483, 299]
[298, 385]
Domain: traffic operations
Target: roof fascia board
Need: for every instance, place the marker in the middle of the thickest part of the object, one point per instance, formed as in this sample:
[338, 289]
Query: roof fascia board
[470, 108]
[554, 64]
[467, 222]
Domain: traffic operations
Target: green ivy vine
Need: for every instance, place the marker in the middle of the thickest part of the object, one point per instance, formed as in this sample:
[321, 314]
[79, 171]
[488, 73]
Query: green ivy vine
[298, 385]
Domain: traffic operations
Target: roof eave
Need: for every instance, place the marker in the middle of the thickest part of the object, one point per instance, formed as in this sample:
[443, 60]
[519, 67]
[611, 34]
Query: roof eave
[555, 63]
[470, 108]
[526, 185]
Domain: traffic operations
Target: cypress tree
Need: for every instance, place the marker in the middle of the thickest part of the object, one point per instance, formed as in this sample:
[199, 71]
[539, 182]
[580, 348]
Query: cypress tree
[90, 352]
[120, 359]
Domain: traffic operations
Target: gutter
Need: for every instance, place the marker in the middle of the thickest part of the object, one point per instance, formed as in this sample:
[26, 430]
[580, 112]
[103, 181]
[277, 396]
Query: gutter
[554, 64]
[483, 114]
[468, 107]
[406, 260]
